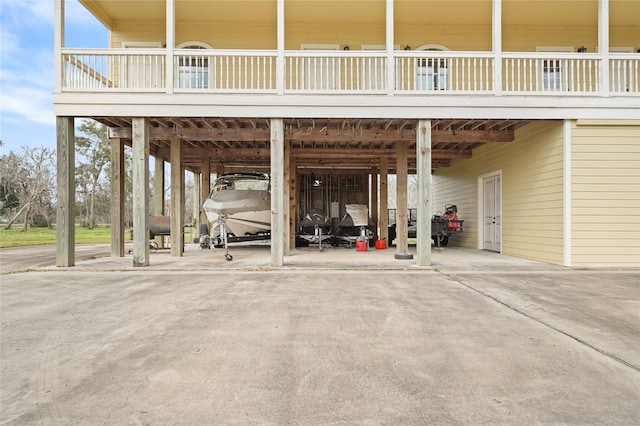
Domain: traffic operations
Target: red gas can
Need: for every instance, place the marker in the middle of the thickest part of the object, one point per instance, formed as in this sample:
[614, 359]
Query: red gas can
[381, 244]
[361, 245]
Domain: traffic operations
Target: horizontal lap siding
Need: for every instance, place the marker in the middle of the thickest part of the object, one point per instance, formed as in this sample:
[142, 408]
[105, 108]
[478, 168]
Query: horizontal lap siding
[606, 195]
[532, 191]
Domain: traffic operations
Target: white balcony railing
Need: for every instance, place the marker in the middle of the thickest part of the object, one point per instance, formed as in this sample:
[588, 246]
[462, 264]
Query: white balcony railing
[349, 72]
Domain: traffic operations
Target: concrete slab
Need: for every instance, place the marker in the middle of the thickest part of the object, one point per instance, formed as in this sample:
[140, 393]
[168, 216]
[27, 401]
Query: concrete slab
[195, 342]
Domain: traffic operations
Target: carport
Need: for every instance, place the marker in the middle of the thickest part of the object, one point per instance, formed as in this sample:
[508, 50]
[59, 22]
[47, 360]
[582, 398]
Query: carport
[292, 151]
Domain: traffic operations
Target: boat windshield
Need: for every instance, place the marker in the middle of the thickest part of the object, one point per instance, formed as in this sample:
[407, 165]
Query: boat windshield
[241, 183]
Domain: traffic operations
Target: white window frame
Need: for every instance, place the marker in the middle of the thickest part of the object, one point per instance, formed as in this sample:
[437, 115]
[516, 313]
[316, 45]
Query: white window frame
[432, 75]
[561, 83]
[198, 73]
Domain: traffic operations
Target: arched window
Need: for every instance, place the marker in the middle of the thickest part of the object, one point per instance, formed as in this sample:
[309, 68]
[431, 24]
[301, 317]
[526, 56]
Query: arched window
[433, 73]
[193, 69]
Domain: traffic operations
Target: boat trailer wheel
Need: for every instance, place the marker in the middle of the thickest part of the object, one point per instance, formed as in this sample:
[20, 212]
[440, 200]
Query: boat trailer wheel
[228, 257]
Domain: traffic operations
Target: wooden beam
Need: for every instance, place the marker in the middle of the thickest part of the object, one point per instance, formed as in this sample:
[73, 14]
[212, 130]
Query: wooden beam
[277, 192]
[423, 162]
[205, 169]
[66, 192]
[177, 197]
[402, 226]
[117, 198]
[325, 134]
[140, 192]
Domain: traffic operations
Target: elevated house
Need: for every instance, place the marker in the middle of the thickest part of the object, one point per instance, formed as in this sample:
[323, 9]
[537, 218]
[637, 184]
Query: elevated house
[523, 114]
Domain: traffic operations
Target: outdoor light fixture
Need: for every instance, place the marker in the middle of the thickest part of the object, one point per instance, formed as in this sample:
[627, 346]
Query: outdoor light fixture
[582, 49]
[407, 47]
[346, 47]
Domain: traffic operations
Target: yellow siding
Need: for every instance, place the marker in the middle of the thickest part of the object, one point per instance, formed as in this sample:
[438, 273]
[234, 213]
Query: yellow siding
[532, 192]
[605, 195]
[457, 25]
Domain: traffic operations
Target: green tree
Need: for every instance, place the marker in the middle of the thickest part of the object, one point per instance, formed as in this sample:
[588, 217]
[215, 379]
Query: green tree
[93, 150]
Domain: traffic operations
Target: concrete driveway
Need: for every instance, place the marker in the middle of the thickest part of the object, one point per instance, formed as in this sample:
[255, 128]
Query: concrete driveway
[478, 339]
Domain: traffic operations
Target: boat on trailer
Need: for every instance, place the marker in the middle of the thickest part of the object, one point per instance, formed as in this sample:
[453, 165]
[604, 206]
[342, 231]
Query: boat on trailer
[239, 208]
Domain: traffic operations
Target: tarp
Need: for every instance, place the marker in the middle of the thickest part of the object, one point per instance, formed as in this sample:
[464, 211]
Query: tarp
[359, 214]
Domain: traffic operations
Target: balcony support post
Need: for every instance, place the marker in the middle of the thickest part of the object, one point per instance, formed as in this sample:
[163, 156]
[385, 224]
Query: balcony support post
[280, 59]
[170, 44]
[66, 189]
[423, 162]
[140, 143]
[496, 42]
[117, 197]
[277, 192]
[391, 66]
[603, 45]
[58, 44]
[177, 197]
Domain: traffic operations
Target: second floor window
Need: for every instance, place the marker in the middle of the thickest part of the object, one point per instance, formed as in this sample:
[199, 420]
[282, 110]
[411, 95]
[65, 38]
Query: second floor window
[193, 69]
[433, 73]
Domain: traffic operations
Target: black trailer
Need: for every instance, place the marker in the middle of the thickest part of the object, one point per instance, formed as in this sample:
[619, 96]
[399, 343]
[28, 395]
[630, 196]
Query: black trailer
[442, 226]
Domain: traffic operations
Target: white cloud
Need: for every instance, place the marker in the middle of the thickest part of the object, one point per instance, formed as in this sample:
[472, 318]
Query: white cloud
[21, 104]
[29, 13]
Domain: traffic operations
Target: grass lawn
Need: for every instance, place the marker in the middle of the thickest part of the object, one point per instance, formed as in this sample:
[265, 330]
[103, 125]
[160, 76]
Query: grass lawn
[14, 237]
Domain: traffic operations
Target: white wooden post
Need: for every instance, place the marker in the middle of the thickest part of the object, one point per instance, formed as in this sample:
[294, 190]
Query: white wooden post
[497, 47]
[117, 198]
[58, 44]
[277, 192]
[423, 161]
[170, 44]
[177, 197]
[140, 144]
[603, 45]
[206, 186]
[391, 66]
[66, 192]
[280, 59]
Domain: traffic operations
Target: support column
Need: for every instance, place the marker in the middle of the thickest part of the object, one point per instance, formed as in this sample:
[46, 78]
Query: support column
[197, 202]
[280, 45]
[374, 199]
[277, 192]
[177, 197]
[206, 187]
[603, 44]
[293, 212]
[423, 162]
[286, 196]
[140, 191]
[390, 43]
[170, 43]
[58, 44]
[66, 192]
[496, 41]
[384, 200]
[117, 198]
[402, 225]
[158, 194]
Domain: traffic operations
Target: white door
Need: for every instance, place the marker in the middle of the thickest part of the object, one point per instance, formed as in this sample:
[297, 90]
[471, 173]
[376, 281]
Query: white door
[491, 212]
[319, 73]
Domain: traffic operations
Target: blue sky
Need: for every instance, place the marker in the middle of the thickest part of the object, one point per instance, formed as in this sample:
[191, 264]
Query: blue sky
[26, 67]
